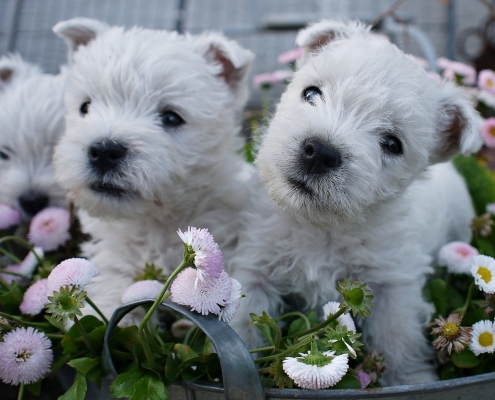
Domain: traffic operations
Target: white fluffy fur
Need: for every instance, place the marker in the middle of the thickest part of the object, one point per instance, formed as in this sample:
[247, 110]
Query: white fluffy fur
[191, 175]
[31, 122]
[14, 69]
[379, 218]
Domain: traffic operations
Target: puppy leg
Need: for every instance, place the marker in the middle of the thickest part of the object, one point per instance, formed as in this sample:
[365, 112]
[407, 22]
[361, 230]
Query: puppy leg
[396, 328]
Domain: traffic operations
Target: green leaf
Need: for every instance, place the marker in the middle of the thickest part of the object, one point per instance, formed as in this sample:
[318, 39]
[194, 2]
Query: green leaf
[72, 342]
[213, 368]
[172, 368]
[12, 296]
[123, 386]
[85, 364]
[436, 292]
[150, 388]
[280, 378]
[455, 299]
[184, 352]
[35, 388]
[347, 382]
[193, 372]
[296, 326]
[78, 390]
[57, 324]
[465, 359]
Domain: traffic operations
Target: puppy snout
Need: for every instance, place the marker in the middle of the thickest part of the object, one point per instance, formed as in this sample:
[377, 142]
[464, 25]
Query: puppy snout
[104, 156]
[33, 202]
[318, 157]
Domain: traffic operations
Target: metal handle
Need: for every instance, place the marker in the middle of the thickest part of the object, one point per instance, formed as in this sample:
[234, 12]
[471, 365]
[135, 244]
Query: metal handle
[240, 374]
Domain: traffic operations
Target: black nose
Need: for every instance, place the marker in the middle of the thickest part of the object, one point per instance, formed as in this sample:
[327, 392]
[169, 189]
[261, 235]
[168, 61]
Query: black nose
[104, 156]
[319, 158]
[33, 202]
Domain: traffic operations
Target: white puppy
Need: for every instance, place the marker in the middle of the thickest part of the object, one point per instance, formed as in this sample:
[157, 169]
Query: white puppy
[31, 122]
[14, 69]
[349, 150]
[151, 145]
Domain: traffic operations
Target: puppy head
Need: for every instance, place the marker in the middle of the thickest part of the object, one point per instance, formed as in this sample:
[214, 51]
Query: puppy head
[359, 121]
[149, 116]
[31, 122]
[14, 69]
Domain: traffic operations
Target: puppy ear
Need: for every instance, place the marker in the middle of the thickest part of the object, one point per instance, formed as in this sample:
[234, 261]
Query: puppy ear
[459, 125]
[13, 67]
[79, 32]
[316, 36]
[234, 62]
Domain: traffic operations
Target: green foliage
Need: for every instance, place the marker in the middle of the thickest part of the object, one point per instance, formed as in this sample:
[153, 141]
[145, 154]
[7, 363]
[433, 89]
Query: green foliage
[480, 181]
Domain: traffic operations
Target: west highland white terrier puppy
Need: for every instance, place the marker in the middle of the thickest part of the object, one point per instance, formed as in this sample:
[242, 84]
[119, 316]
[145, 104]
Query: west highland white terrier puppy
[350, 150]
[14, 69]
[31, 122]
[151, 145]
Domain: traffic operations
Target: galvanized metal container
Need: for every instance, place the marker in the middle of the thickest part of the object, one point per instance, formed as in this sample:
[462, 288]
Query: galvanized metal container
[241, 379]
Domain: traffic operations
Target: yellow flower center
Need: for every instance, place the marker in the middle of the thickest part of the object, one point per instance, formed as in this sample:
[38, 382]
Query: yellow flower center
[490, 84]
[485, 274]
[450, 331]
[486, 339]
[491, 131]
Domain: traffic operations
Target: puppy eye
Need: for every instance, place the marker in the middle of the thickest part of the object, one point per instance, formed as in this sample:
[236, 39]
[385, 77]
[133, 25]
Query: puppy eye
[84, 107]
[310, 94]
[4, 155]
[392, 145]
[171, 119]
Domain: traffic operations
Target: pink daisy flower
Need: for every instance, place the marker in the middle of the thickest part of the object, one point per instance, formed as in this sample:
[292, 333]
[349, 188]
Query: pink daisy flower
[9, 216]
[25, 268]
[486, 97]
[488, 132]
[77, 272]
[344, 320]
[364, 379]
[457, 256]
[232, 304]
[50, 228]
[25, 356]
[486, 80]
[147, 289]
[290, 56]
[202, 298]
[35, 298]
[451, 69]
[208, 258]
[266, 78]
[282, 75]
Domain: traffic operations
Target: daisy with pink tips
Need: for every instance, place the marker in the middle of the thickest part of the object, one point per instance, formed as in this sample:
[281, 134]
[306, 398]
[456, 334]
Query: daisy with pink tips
[204, 251]
[486, 80]
[290, 56]
[488, 132]
[264, 80]
[201, 297]
[233, 303]
[9, 216]
[35, 298]
[50, 228]
[141, 290]
[25, 356]
[25, 268]
[74, 272]
[457, 256]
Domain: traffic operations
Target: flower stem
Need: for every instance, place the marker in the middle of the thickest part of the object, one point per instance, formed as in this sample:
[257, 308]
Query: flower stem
[42, 325]
[86, 339]
[10, 255]
[323, 324]
[160, 298]
[461, 311]
[21, 391]
[98, 311]
[23, 242]
[55, 336]
[296, 314]
[259, 350]
[291, 349]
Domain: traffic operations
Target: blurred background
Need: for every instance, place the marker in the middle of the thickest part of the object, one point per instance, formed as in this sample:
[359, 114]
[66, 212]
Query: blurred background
[455, 29]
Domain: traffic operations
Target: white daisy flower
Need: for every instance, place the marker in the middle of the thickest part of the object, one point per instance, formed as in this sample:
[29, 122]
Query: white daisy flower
[344, 320]
[483, 270]
[483, 339]
[315, 369]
